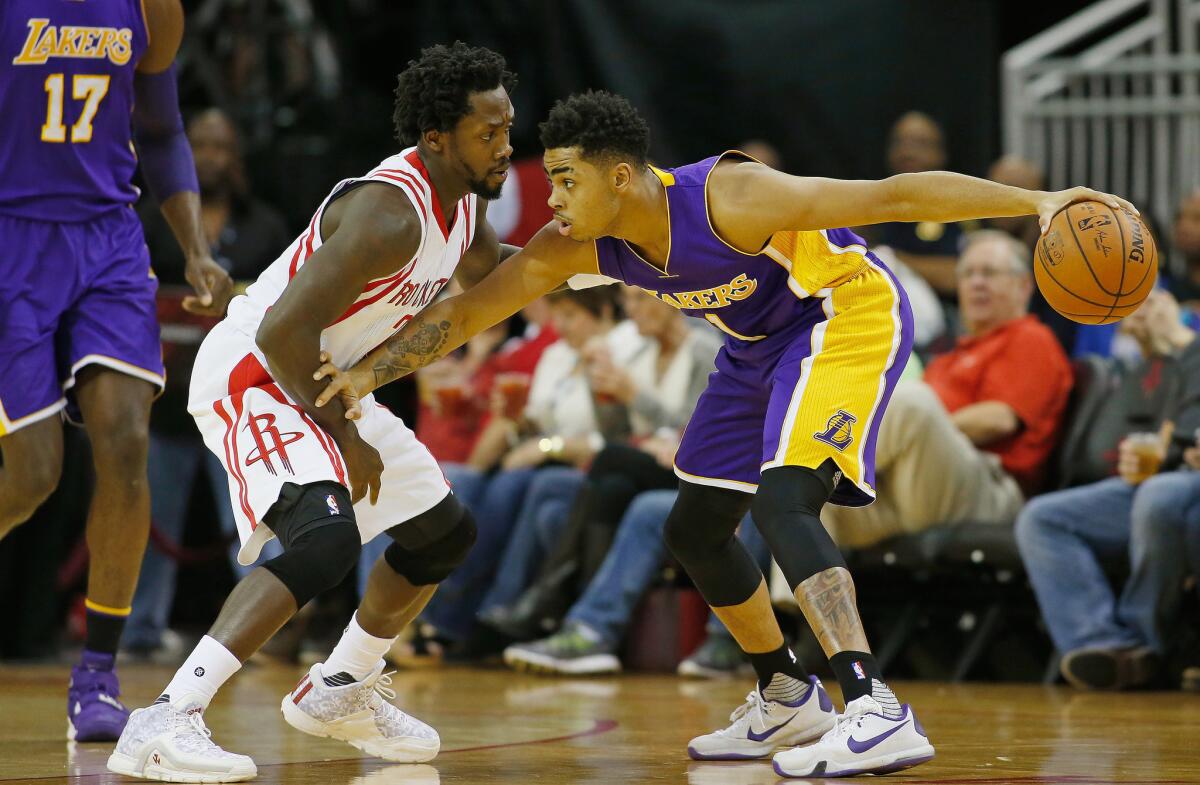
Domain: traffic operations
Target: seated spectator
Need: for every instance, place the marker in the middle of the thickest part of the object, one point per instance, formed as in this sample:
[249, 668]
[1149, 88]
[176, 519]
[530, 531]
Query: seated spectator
[1018, 172]
[245, 236]
[595, 625]
[972, 439]
[916, 144]
[1065, 538]
[557, 429]
[643, 400]
[1185, 236]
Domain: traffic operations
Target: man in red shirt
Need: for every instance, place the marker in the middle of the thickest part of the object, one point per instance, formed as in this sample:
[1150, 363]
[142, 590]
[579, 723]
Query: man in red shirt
[971, 440]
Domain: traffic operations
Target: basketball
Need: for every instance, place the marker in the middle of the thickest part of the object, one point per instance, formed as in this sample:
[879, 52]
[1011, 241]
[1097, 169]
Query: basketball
[1095, 265]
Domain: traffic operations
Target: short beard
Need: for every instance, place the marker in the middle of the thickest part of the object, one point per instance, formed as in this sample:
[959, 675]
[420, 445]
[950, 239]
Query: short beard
[480, 188]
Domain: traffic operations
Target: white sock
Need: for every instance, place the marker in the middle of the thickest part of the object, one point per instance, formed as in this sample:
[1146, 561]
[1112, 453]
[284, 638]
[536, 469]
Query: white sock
[357, 653]
[201, 675]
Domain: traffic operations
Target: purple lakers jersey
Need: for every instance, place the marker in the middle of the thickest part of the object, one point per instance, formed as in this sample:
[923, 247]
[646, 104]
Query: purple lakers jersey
[66, 95]
[749, 297]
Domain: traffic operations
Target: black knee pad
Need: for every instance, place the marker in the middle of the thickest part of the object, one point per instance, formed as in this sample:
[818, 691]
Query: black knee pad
[701, 533]
[426, 549]
[315, 524]
[787, 511]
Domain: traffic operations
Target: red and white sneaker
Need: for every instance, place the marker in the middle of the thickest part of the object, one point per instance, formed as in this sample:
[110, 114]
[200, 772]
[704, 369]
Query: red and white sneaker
[170, 743]
[360, 715]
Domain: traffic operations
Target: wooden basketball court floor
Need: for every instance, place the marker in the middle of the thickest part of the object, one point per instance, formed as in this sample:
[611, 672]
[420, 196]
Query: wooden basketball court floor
[502, 727]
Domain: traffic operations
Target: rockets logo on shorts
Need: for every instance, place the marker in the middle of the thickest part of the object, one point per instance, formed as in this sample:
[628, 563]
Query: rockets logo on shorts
[839, 430]
[262, 429]
[332, 504]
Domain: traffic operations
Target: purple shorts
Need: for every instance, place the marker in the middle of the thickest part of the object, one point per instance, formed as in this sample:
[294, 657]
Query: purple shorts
[814, 394]
[74, 294]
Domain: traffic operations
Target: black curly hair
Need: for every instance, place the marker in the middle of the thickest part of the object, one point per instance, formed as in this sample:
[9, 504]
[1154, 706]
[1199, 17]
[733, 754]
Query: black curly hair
[600, 123]
[433, 91]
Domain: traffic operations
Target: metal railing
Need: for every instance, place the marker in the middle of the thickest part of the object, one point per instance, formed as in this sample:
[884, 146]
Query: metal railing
[1110, 98]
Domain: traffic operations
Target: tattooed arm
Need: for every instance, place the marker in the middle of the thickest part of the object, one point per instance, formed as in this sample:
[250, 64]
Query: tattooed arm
[540, 267]
[828, 602]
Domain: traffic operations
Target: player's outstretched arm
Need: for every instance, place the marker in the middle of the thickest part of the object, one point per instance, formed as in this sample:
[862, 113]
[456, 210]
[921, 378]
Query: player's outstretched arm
[166, 156]
[542, 266]
[750, 201]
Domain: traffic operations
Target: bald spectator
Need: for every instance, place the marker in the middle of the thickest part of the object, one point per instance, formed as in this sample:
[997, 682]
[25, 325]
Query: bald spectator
[1011, 170]
[916, 143]
[1015, 171]
[764, 152]
[970, 441]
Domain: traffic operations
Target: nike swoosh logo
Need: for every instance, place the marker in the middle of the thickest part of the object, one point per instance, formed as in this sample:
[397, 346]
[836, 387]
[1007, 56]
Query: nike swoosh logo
[857, 746]
[750, 734]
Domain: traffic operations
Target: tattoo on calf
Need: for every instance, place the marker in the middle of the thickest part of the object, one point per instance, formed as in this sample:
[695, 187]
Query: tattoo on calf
[828, 602]
[414, 347]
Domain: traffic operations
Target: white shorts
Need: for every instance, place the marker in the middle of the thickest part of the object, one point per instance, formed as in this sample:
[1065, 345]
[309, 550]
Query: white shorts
[264, 439]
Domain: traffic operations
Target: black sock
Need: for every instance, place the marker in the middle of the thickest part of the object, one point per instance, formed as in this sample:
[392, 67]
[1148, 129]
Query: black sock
[104, 631]
[767, 664]
[858, 674]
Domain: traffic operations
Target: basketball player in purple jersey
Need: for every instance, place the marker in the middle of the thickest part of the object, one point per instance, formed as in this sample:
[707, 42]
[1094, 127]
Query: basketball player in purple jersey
[817, 333]
[80, 85]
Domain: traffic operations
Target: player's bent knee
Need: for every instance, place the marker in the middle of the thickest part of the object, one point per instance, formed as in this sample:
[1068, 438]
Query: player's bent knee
[787, 511]
[315, 524]
[424, 558]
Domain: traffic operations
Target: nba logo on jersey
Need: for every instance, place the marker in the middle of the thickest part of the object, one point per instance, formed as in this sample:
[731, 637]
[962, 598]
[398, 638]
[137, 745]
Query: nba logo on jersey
[838, 430]
[332, 504]
[858, 669]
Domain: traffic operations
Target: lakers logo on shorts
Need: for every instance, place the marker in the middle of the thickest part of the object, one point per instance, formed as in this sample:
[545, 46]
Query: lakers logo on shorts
[838, 431]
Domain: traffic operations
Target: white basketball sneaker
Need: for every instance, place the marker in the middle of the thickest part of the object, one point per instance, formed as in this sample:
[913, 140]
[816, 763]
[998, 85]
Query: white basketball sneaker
[359, 715]
[760, 726]
[863, 741]
[169, 743]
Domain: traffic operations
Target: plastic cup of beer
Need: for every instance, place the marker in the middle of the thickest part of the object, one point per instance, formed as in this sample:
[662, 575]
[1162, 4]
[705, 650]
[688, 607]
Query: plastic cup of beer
[452, 400]
[514, 390]
[1148, 447]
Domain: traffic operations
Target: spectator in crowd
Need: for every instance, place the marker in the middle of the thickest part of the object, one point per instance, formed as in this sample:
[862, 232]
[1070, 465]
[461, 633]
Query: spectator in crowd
[1066, 538]
[970, 441]
[647, 402]
[916, 143]
[1185, 237]
[556, 431]
[1011, 170]
[245, 235]
[453, 438]
[595, 625]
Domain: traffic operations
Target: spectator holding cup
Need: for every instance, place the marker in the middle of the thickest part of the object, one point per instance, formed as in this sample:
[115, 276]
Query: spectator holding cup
[1120, 641]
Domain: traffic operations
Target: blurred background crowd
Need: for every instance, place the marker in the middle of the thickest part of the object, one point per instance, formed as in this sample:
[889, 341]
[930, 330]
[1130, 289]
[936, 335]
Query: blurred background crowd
[1039, 494]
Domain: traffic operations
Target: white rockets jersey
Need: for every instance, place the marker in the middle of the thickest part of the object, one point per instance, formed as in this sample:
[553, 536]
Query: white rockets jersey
[384, 304]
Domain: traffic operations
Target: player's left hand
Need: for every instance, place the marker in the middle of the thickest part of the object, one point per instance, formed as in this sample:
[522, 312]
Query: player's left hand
[214, 287]
[1053, 201]
[341, 384]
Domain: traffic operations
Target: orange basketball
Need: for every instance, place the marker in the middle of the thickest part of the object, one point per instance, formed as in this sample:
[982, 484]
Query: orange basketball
[1095, 265]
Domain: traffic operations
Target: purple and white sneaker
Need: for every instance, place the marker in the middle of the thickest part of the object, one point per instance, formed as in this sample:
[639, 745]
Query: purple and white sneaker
[93, 711]
[758, 727]
[863, 741]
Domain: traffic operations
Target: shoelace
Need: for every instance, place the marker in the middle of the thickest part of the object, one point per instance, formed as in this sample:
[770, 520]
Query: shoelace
[753, 701]
[845, 725]
[195, 721]
[381, 690]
